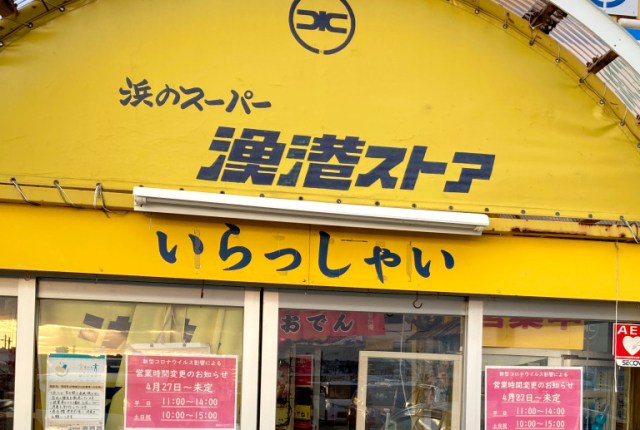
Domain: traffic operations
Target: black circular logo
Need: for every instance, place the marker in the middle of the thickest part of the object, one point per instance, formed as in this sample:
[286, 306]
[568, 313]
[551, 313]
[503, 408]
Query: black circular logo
[325, 26]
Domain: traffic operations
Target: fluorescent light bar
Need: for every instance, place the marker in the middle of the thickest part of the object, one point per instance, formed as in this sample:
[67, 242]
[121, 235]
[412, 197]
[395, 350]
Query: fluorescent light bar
[306, 212]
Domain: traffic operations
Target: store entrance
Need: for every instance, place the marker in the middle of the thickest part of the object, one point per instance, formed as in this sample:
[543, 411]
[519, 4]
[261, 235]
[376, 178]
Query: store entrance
[317, 387]
[368, 370]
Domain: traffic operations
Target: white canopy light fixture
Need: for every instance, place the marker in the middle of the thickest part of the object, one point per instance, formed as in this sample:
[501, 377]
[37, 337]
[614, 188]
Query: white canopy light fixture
[306, 212]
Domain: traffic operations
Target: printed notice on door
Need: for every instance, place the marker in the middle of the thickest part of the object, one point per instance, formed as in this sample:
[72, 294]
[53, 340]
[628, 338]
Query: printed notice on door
[174, 392]
[75, 392]
[536, 398]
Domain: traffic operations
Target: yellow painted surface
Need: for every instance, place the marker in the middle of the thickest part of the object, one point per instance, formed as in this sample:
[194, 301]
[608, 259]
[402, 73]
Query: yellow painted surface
[541, 333]
[87, 241]
[45, 239]
[302, 412]
[417, 73]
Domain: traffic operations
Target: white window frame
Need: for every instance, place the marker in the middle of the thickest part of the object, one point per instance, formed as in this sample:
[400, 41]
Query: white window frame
[274, 300]
[545, 308]
[9, 287]
[472, 365]
[169, 292]
[363, 364]
[553, 308]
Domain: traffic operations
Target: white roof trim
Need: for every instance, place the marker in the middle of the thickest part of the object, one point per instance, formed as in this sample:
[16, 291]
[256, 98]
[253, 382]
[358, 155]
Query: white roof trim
[605, 27]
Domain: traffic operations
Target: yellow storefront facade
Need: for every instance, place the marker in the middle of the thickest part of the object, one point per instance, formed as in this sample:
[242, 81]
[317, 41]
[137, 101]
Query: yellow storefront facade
[319, 215]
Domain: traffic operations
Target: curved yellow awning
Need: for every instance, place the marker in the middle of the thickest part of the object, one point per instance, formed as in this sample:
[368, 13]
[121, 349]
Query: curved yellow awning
[423, 104]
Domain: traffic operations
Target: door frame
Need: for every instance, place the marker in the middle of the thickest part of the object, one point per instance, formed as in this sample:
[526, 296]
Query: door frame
[358, 301]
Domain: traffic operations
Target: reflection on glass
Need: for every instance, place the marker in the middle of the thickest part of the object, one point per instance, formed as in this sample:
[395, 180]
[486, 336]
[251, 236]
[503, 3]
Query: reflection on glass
[399, 390]
[8, 328]
[116, 329]
[407, 360]
[607, 392]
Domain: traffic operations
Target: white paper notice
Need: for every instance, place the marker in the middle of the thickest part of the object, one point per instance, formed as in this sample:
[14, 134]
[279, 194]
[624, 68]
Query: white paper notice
[75, 391]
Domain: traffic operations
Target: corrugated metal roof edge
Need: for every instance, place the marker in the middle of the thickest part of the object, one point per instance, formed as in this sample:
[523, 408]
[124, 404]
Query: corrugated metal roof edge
[613, 34]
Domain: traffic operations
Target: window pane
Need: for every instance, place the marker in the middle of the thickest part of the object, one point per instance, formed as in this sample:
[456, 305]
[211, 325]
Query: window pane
[360, 370]
[172, 346]
[8, 310]
[558, 343]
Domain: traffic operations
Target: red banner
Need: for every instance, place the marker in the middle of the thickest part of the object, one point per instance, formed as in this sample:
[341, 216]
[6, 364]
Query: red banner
[318, 325]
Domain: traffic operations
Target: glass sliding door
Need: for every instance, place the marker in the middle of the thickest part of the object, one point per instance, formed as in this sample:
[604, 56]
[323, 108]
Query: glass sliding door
[361, 362]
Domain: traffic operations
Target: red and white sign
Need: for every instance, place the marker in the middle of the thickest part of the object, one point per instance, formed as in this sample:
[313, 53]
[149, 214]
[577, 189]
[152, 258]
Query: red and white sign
[323, 325]
[536, 398]
[173, 392]
[626, 346]
[304, 370]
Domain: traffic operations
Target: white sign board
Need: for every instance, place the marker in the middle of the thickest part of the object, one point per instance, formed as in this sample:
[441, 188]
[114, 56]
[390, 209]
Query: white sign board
[76, 386]
[618, 7]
